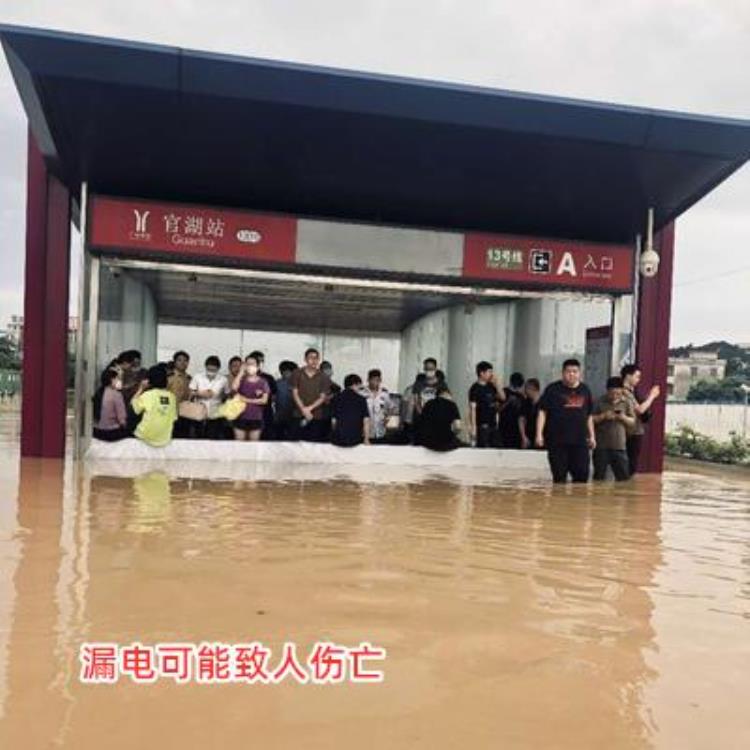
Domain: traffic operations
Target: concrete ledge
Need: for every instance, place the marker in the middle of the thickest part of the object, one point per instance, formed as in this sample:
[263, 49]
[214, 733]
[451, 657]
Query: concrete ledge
[276, 461]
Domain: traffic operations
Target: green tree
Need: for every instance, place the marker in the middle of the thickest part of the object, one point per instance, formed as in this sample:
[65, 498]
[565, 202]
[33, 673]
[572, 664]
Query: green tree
[10, 358]
[727, 391]
[737, 359]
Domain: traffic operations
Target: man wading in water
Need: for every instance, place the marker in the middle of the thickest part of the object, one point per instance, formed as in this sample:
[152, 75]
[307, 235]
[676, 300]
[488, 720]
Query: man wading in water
[565, 425]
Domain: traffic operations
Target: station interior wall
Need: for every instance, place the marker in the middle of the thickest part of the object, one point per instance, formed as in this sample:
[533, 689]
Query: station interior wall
[128, 318]
[532, 336]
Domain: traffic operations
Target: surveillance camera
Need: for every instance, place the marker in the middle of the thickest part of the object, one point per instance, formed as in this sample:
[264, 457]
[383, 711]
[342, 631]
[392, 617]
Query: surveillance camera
[649, 263]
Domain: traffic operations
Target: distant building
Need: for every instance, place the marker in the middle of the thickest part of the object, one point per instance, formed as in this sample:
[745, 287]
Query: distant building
[684, 372]
[72, 334]
[14, 331]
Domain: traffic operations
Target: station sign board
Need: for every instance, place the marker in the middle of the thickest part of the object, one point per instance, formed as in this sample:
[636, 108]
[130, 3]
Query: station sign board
[127, 226]
[529, 261]
[194, 231]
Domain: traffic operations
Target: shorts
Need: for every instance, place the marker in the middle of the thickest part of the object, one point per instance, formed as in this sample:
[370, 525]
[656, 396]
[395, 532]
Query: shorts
[248, 424]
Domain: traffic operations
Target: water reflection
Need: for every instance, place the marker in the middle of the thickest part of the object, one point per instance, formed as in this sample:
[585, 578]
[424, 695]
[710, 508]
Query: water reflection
[514, 616]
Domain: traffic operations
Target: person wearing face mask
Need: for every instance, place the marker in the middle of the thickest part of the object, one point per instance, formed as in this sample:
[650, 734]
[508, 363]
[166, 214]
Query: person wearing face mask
[255, 392]
[109, 409]
[207, 388]
[425, 389]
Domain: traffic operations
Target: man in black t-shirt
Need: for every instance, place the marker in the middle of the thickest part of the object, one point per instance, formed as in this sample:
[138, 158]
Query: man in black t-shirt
[350, 415]
[483, 399]
[440, 421]
[511, 413]
[530, 413]
[565, 425]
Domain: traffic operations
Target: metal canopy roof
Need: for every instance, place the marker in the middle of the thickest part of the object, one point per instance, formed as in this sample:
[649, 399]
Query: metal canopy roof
[162, 122]
[191, 296]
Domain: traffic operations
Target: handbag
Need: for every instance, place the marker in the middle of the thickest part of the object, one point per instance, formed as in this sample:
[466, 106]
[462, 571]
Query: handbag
[232, 408]
[195, 411]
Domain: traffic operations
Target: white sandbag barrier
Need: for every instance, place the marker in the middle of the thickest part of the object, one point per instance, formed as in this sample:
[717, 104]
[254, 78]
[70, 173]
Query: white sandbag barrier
[282, 461]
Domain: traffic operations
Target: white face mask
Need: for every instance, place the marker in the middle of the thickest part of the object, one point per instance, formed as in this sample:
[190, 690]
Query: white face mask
[252, 369]
[117, 384]
[210, 374]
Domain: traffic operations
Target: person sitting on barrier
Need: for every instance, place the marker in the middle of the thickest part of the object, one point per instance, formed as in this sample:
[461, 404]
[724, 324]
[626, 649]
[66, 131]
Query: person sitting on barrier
[310, 391]
[253, 389]
[128, 366]
[129, 363]
[350, 423]
[110, 412]
[483, 402]
[207, 388]
[158, 407]
[613, 417]
[440, 422]
[530, 413]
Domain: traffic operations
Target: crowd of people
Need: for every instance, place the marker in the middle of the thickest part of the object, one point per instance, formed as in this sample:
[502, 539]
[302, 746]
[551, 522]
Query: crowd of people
[304, 402]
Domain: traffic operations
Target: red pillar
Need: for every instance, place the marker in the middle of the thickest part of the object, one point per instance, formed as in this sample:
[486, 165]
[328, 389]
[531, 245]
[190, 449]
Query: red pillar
[45, 326]
[652, 345]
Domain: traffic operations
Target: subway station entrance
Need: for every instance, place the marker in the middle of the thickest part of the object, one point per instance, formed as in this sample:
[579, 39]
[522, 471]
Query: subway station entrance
[368, 296]
[453, 221]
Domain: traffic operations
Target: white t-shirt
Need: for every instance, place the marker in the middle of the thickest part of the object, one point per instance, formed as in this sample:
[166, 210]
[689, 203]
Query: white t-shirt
[216, 385]
[379, 405]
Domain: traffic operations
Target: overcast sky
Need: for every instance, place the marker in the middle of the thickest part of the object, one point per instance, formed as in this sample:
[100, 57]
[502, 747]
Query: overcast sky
[690, 55]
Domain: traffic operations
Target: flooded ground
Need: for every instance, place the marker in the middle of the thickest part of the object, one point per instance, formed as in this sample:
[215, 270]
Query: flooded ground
[514, 616]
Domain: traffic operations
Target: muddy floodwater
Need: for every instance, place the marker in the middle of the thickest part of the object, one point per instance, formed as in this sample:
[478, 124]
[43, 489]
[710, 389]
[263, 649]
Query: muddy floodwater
[513, 615]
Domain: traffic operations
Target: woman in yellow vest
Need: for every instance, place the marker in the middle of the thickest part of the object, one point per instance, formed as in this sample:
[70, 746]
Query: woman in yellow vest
[158, 407]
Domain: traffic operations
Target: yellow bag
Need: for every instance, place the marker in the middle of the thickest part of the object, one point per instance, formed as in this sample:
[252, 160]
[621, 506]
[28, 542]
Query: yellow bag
[232, 408]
